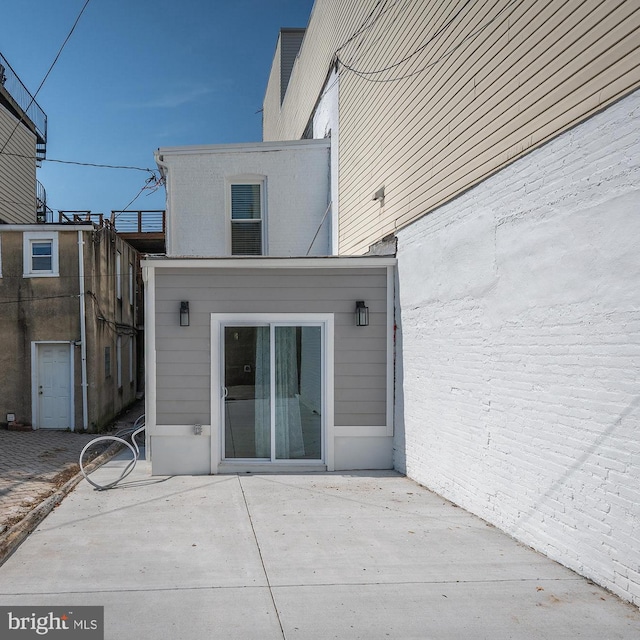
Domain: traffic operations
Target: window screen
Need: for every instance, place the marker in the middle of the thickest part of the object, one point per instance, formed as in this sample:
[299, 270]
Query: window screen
[246, 220]
[42, 255]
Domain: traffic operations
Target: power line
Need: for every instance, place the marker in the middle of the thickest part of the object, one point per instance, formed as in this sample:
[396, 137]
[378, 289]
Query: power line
[82, 164]
[438, 33]
[158, 182]
[365, 74]
[72, 295]
[33, 98]
[61, 276]
[363, 25]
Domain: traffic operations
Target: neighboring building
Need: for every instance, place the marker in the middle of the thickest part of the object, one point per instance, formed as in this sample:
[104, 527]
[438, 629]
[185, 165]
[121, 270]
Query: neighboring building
[498, 146]
[68, 318]
[23, 137]
[247, 199]
[67, 292]
[254, 357]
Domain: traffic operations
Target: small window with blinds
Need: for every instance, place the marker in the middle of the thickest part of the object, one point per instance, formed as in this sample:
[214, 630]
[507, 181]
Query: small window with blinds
[246, 219]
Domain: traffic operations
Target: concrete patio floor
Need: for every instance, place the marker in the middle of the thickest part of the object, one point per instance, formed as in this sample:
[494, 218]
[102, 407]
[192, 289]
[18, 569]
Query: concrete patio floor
[343, 555]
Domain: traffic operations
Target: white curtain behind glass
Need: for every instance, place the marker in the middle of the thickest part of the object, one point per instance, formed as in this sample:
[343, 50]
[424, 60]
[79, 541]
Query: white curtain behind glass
[289, 443]
[262, 394]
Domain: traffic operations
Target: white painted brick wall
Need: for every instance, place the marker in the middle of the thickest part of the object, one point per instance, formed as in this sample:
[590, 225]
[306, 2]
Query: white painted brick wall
[297, 195]
[519, 384]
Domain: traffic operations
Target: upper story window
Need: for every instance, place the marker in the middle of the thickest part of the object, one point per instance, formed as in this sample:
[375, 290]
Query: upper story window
[40, 253]
[247, 218]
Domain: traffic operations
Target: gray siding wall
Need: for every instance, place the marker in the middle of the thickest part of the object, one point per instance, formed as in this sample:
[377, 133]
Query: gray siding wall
[183, 353]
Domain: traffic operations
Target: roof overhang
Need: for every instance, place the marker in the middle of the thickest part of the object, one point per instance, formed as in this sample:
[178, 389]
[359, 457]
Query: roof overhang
[243, 147]
[264, 262]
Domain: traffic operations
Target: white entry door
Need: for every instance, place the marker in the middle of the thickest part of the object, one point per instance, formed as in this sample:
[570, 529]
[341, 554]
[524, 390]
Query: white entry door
[53, 386]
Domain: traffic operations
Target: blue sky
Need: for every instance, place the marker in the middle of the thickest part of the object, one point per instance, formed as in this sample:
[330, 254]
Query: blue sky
[137, 75]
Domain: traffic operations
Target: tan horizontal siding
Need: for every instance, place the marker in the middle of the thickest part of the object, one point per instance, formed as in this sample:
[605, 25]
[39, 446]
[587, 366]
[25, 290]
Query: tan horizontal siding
[503, 78]
[17, 173]
[441, 151]
[271, 102]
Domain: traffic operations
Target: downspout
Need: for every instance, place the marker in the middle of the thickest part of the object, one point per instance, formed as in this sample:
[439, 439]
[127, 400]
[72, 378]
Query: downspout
[83, 332]
[164, 170]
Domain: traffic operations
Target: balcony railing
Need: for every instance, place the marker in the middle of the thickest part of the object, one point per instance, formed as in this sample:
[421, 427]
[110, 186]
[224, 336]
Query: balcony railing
[19, 93]
[151, 221]
[43, 213]
[75, 217]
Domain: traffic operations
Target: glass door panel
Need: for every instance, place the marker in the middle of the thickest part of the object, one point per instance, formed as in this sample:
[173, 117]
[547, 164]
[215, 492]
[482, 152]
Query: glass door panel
[273, 392]
[247, 410]
[298, 393]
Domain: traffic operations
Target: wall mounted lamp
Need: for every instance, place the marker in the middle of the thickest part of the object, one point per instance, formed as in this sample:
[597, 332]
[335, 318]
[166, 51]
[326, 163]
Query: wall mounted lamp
[378, 196]
[184, 314]
[362, 314]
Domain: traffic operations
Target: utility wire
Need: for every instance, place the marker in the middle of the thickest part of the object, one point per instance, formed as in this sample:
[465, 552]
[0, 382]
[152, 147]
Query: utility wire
[363, 25]
[33, 98]
[83, 164]
[155, 187]
[365, 74]
[72, 295]
[439, 32]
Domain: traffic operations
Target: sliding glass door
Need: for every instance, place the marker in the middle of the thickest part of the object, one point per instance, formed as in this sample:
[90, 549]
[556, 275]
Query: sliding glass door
[273, 392]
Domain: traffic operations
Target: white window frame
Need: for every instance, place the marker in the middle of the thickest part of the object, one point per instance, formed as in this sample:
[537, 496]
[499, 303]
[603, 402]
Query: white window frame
[248, 179]
[119, 362]
[108, 370]
[119, 275]
[28, 239]
[131, 284]
[130, 359]
[221, 320]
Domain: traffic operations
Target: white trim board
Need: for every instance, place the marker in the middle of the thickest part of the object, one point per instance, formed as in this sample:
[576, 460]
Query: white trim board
[264, 262]
[218, 320]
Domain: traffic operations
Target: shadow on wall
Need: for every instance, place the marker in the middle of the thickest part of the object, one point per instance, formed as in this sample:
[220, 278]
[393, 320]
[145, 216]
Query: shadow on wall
[399, 443]
[593, 450]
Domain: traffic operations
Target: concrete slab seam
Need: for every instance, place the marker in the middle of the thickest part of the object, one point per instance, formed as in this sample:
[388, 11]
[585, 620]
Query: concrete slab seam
[13, 537]
[264, 568]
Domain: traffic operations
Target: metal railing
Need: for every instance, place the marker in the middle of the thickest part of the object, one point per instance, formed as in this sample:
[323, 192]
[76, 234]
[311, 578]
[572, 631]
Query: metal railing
[151, 221]
[42, 210]
[75, 217]
[13, 85]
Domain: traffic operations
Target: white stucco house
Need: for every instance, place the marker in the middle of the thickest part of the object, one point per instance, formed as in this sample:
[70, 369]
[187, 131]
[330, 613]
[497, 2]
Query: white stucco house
[210, 189]
[264, 351]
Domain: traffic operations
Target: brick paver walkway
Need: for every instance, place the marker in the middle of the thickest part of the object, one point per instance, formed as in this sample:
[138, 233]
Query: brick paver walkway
[33, 464]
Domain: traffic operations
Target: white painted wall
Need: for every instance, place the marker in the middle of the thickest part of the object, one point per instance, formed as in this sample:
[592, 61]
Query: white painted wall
[296, 176]
[519, 382]
[325, 125]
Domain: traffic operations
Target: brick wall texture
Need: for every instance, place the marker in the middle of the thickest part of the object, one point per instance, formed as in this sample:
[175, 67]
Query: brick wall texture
[518, 385]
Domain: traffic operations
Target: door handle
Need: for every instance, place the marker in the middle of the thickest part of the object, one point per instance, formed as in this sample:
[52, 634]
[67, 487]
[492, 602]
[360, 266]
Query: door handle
[225, 392]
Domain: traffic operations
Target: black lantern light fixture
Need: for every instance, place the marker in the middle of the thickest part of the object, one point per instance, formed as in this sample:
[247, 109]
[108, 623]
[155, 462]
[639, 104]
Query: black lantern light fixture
[362, 314]
[184, 314]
